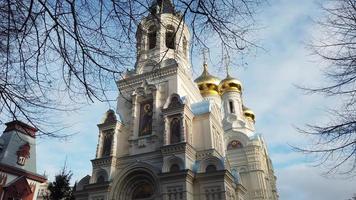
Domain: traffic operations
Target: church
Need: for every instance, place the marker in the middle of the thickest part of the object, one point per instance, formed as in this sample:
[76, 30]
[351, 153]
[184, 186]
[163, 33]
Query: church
[173, 137]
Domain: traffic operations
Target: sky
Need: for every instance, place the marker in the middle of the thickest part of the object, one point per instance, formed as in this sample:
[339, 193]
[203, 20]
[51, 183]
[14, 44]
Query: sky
[269, 89]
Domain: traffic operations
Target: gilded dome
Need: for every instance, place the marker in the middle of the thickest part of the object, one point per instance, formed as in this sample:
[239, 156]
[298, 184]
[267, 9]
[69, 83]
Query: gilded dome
[230, 84]
[207, 83]
[248, 113]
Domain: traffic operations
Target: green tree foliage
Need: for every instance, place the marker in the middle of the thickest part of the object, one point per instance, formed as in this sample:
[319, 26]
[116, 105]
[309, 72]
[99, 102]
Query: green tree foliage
[60, 188]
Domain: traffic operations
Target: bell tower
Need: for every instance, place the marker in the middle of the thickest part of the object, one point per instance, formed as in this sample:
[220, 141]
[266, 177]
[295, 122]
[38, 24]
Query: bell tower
[162, 36]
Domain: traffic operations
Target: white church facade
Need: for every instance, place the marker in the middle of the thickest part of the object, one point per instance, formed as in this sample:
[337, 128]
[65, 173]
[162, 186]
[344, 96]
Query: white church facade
[173, 137]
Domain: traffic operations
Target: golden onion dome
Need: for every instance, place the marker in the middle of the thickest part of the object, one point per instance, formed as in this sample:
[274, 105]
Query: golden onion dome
[207, 83]
[230, 84]
[248, 113]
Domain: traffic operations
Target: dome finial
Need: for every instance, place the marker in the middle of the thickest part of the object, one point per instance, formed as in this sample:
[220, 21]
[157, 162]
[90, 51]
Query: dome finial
[205, 52]
[229, 84]
[226, 60]
[207, 83]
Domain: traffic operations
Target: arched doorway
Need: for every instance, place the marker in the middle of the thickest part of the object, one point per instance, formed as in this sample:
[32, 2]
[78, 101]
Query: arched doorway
[138, 184]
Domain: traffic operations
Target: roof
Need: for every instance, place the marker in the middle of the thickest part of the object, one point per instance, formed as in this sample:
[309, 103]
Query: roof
[164, 6]
[19, 188]
[21, 172]
[22, 127]
[109, 117]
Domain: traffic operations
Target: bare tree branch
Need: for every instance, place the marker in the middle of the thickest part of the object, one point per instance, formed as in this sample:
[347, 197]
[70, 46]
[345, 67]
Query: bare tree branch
[59, 55]
[334, 142]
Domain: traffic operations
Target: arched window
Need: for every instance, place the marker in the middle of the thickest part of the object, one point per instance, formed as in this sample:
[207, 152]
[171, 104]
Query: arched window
[152, 37]
[107, 142]
[235, 144]
[185, 46]
[210, 168]
[170, 37]
[175, 131]
[174, 168]
[231, 107]
[138, 184]
[101, 179]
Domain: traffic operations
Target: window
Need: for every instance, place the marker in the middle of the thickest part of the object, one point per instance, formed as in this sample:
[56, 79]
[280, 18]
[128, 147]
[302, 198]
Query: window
[175, 130]
[170, 37]
[107, 142]
[152, 37]
[210, 168]
[231, 107]
[235, 144]
[174, 168]
[101, 179]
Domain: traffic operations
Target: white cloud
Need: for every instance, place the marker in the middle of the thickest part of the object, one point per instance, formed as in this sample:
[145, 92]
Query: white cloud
[300, 182]
[76, 151]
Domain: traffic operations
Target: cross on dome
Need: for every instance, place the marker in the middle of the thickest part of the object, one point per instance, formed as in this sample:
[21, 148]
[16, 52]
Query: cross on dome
[226, 60]
[205, 52]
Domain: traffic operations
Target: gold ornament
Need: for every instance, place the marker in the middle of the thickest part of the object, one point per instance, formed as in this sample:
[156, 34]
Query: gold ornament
[248, 113]
[207, 83]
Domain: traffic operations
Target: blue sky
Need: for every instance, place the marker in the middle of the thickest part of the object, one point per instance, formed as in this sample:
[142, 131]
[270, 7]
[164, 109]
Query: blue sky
[269, 82]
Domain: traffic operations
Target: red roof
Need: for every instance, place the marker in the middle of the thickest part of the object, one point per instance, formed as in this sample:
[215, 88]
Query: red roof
[21, 127]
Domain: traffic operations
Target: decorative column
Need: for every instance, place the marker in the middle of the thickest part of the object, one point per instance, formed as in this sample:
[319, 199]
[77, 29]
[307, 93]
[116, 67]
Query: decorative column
[165, 132]
[182, 130]
[98, 146]
[133, 111]
[154, 111]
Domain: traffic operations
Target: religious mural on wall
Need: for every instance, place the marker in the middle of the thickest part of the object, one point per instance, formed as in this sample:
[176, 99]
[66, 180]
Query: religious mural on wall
[146, 118]
[235, 144]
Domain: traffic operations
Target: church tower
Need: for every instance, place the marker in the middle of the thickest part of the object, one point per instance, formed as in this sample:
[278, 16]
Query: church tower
[172, 137]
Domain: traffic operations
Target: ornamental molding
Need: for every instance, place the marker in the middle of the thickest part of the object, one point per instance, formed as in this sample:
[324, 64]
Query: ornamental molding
[132, 82]
[178, 148]
[102, 162]
[125, 161]
[208, 153]
[143, 141]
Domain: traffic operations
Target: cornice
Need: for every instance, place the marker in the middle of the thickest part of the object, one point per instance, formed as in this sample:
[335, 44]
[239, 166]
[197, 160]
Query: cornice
[138, 78]
[105, 161]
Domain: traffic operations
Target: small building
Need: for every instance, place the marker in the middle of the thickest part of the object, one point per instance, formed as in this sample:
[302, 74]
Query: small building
[43, 191]
[18, 176]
